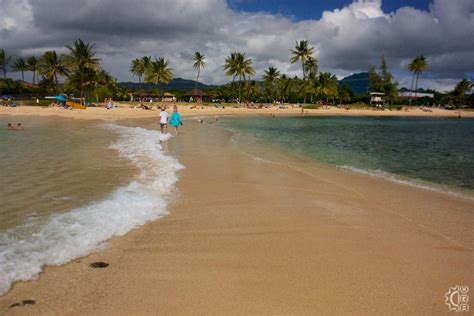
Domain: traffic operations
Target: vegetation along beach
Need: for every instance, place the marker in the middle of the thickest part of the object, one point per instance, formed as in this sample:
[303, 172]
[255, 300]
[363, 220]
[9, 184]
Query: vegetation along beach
[236, 157]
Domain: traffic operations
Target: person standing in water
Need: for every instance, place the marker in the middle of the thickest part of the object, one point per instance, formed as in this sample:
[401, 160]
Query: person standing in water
[175, 120]
[163, 120]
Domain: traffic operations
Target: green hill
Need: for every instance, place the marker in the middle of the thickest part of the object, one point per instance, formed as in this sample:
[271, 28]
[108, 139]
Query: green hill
[176, 84]
[358, 83]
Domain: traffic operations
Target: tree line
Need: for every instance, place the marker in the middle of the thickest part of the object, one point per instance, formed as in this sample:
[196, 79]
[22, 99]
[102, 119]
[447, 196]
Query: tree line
[79, 68]
[83, 76]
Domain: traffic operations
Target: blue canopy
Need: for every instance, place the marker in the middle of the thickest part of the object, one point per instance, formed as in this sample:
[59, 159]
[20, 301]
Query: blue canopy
[60, 98]
[6, 97]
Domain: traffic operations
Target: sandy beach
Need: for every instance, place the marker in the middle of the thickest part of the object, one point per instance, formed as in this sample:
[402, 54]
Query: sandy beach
[127, 112]
[265, 237]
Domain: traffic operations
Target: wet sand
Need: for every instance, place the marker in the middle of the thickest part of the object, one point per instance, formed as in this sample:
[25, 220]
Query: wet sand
[293, 236]
[128, 112]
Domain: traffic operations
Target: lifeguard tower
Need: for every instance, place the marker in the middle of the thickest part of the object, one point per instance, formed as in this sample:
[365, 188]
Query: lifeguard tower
[376, 98]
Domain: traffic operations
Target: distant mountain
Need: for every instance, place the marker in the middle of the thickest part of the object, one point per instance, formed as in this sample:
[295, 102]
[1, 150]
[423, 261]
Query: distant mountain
[358, 83]
[177, 84]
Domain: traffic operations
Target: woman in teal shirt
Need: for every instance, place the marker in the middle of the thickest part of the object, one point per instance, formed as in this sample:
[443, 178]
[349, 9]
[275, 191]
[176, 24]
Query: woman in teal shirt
[175, 119]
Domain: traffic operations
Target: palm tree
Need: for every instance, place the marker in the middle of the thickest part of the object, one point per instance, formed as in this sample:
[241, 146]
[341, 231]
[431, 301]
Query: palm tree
[243, 67]
[230, 66]
[284, 87]
[327, 85]
[252, 89]
[146, 61]
[199, 64]
[159, 71]
[4, 61]
[301, 53]
[51, 66]
[311, 67]
[270, 78]
[458, 95]
[137, 69]
[80, 58]
[417, 66]
[21, 66]
[32, 63]
[311, 70]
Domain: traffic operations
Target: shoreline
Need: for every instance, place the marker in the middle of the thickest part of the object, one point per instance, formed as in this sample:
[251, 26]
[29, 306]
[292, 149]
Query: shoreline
[125, 112]
[286, 247]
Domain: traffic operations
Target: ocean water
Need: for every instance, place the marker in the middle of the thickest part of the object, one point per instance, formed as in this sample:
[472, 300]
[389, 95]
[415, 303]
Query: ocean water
[427, 152]
[68, 186]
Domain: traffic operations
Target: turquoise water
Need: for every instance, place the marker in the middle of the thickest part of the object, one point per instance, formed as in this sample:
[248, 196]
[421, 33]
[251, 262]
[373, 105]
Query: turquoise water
[434, 150]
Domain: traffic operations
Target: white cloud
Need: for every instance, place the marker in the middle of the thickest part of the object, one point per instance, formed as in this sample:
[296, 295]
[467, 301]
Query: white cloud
[346, 40]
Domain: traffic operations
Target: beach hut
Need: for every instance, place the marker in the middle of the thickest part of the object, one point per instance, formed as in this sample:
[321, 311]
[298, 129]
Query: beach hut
[168, 97]
[195, 95]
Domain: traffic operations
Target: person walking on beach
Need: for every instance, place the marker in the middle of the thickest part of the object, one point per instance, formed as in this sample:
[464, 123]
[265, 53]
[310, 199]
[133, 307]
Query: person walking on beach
[163, 120]
[175, 120]
[10, 127]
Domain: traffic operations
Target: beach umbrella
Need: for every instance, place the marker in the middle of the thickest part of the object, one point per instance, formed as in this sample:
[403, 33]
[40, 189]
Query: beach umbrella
[6, 97]
[60, 98]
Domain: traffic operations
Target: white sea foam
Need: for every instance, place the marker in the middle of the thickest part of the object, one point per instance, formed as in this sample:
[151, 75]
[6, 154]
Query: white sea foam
[25, 249]
[410, 182]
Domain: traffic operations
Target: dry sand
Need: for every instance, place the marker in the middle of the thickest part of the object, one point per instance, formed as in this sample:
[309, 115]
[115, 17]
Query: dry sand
[127, 112]
[251, 237]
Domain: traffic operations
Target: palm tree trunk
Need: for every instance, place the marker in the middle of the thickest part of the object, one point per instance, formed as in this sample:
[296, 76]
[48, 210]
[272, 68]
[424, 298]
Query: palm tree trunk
[82, 82]
[34, 75]
[304, 83]
[240, 81]
[197, 79]
[22, 76]
[411, 89]
[416, 83]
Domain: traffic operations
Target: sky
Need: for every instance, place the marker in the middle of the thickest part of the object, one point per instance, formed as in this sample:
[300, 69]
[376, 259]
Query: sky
[346, 35]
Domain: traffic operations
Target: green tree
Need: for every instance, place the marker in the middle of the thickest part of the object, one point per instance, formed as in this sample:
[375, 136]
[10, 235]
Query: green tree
[237, 65]
[230, 66]
[389, 87]
[51, 66]
[311, 70]
[417, 66]
[199, 64]
[20, 66]
[146, 61]
[344, 94]
[81, 59]
[301, 53]
[159, 71]
[32, 63]
[375, 80]
[327, 85]
[458, 95]
[270, 78]
[252, 90]
[4, 61]
[137, 69]
[382, 82]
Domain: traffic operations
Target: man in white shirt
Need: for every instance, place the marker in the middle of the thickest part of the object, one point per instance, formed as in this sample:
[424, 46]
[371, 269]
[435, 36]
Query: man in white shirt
[163, 120]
